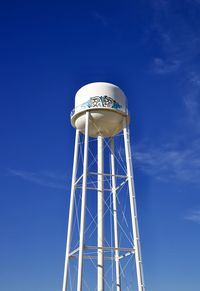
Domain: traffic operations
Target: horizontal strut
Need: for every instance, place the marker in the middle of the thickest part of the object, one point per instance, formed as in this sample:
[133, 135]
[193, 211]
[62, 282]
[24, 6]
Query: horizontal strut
[129, 250]
[108, 248]
[106, 174]
[105, 189]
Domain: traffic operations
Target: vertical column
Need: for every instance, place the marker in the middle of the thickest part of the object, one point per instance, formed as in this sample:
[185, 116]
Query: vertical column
[138, 258]
[83, 205]
[100, 222]
[71, 211]
[115, 219]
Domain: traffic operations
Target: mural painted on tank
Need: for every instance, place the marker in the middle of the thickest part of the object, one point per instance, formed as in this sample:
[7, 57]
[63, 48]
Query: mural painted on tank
[102, 101]
[98, 101]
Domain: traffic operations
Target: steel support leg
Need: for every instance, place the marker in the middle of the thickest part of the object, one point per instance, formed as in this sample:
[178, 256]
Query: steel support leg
[71, 211]
[136, 238]
[83, 205]
[100, 214]
[115, 218]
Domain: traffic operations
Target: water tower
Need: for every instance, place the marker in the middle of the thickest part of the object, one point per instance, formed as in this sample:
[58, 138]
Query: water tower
[101, 114]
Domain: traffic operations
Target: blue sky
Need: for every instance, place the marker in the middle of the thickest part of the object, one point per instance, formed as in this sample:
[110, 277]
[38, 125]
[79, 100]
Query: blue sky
[48, 51]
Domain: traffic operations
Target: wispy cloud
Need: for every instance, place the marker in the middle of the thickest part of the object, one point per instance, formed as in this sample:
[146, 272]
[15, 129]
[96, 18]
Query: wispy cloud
[100, 18]
[43, 178]
[192, 106]
[195, 79]
[178, 159]
[176, 36]
[161, 66]
[192, 100]
[194, 216]
[170, 162]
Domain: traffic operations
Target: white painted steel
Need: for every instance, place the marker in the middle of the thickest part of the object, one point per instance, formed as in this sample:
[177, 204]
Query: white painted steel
[100, 89]
[107, 105]
[109, 248]
[115, 218]
[136, 237]
[83, 206]
[100, 215]
[102, 121]
[105, 122]
[71, 211]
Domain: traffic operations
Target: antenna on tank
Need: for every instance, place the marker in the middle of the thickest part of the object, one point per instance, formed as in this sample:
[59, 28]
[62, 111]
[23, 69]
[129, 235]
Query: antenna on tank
[101, 112]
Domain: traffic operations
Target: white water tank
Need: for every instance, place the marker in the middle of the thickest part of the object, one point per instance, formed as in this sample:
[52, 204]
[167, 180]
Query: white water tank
[107, 105]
